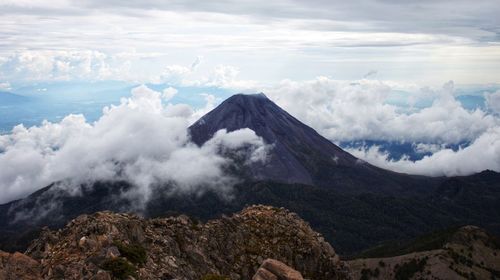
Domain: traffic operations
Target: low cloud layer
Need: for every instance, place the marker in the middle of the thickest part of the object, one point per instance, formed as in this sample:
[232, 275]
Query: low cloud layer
[387, 111]
[144, 140]
[141, 140]
[365, 110]
[482, 154]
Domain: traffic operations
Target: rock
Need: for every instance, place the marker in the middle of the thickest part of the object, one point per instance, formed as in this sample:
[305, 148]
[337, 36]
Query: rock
[101, 275]
[18, 266]
[279, 270]
[112, 252]
[264, 274]
[275, 270]
[178, 248]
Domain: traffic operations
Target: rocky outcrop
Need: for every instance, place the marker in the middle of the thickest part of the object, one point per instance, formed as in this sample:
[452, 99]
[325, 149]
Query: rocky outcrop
[276, 270]
[18, 266]
[107, 245]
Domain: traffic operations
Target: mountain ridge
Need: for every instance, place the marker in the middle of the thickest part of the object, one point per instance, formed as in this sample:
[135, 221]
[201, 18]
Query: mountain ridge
[119, 245]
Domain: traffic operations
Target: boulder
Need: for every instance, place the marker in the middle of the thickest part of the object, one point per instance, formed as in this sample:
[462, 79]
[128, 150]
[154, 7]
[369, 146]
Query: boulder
[275, 270]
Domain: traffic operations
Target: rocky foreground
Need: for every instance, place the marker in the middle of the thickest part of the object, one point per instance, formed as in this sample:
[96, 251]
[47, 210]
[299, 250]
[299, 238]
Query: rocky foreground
[260, 242]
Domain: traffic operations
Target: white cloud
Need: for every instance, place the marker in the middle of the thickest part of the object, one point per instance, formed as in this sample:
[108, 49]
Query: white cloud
[482, 154]
[310, 39]
[139, 140]
[358, 110]
[493, 101]
[175, 74]
[62, 65]
[222, 76]
[5, 86]
[227, 76]
[423, 148]
[169, 93]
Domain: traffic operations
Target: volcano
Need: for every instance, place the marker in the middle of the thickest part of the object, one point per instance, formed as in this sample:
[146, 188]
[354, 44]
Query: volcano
[354, 204]
[298, 153]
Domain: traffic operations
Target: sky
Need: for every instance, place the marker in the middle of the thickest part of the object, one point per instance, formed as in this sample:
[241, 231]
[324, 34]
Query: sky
[411, 86]
[428, 42]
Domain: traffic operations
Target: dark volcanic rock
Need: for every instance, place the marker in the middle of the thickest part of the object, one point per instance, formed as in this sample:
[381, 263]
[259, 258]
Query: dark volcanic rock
[179, 248]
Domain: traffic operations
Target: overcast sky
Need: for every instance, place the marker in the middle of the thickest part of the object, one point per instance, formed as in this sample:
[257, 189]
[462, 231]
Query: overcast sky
[428, 42]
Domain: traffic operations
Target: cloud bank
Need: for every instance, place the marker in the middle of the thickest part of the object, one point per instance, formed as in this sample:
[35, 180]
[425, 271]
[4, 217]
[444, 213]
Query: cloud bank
[375, 110]
[362, 110]
[141, 140]
[482, 154]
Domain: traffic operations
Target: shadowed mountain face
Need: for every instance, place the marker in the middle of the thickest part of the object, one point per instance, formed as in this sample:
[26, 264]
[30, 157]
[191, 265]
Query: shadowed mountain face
[299, 154]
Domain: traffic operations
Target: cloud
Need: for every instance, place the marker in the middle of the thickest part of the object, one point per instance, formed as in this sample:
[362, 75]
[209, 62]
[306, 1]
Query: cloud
[5, 86]
[493, 101]
[62, 65]
[468, 19]
[175, 74]
[360, 110]
[141, 141]
[324, 38]
[365, 110]
[483, 153]
[221, 76]
[169, 93]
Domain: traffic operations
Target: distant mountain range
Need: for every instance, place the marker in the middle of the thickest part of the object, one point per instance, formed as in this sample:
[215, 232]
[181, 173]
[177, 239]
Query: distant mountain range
[8, 98]
[353, 204]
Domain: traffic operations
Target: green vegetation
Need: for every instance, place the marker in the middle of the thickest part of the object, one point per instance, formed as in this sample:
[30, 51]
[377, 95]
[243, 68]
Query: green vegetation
[460, 259]
[367, 273]
[494, 242]
[432, 241]
[408, 269]
[135, 253]
[351, 223]
[214, 277]
[120, 268]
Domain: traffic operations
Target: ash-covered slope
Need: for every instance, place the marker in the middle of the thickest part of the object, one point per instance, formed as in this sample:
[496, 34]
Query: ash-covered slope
[299, 154]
